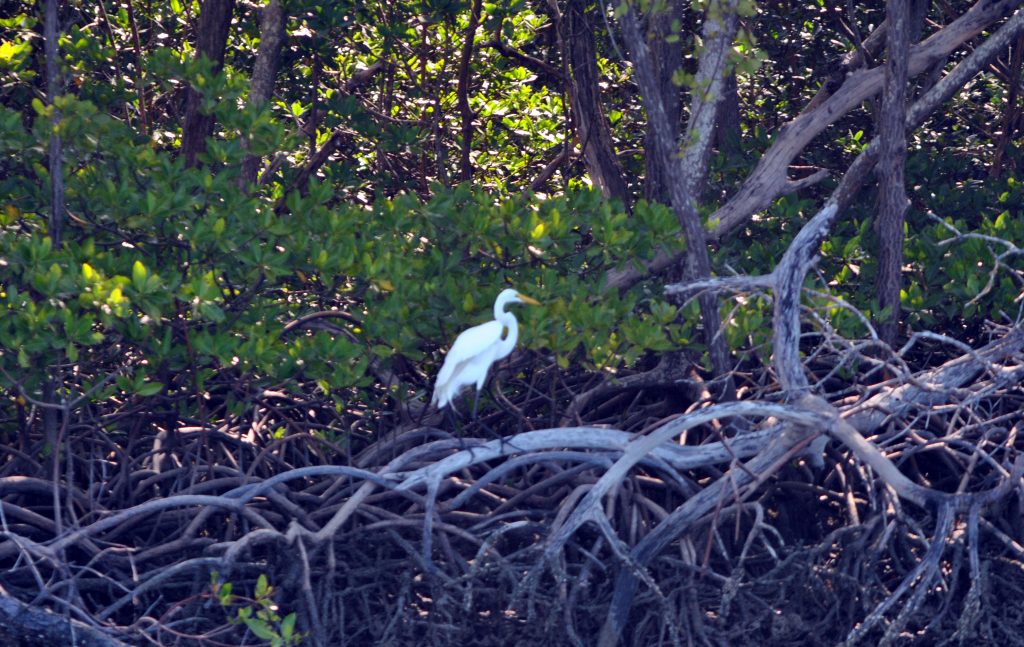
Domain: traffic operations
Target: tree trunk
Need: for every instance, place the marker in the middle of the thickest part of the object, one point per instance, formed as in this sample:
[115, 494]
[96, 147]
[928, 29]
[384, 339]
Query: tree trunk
[264, 72]
[211, 41]
[685, 174]
[56, 150]
[576, 36]
[1011, 113]
[892, 192]
[727, 128]
[465, 68]
[667, 57]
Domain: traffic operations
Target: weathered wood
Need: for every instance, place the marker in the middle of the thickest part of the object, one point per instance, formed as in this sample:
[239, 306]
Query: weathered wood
[28, 626]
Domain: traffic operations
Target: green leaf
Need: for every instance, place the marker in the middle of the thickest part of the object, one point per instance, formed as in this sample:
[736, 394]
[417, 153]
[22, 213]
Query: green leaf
[89, 274]
[139, 274]
[224, 594]
[288, 626]
[8, 50]
[149, 389]
[213, 312]
[260, 628]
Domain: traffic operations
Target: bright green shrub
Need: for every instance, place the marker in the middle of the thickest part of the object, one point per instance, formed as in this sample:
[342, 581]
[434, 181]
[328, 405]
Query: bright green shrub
[172, 279]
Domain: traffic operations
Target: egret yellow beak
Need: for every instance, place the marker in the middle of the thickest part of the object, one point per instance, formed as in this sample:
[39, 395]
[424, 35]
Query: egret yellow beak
[526, 299]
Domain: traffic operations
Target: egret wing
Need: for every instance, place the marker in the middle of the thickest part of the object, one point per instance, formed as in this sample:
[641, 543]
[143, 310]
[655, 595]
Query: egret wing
[472, 344]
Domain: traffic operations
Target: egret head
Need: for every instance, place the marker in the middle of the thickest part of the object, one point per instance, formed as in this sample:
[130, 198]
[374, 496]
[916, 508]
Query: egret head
[508, 295]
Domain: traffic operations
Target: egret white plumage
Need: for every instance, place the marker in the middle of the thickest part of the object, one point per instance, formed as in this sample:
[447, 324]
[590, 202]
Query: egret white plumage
[475, 349]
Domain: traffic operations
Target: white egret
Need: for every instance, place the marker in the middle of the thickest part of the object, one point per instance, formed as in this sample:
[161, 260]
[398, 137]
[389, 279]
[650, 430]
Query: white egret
[475, 349]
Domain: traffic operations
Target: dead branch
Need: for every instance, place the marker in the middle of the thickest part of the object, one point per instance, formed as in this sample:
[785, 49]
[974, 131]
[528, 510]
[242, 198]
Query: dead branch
[18, 620]
[769, 179]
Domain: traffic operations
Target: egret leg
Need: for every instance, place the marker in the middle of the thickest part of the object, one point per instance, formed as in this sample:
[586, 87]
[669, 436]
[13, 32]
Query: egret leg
[494, 398]
[479, 421]
[476, 401]
[456, 427]
[497, 403]
[491, 433]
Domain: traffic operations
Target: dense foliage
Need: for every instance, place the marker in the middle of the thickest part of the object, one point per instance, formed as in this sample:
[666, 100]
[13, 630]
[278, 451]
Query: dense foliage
[327, 241]
[172, 275]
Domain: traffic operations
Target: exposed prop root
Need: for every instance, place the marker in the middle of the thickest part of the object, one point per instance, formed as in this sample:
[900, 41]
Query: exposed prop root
[427, 538]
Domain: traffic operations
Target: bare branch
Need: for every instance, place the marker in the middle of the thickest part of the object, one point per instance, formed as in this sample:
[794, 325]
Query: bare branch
[766, 181]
